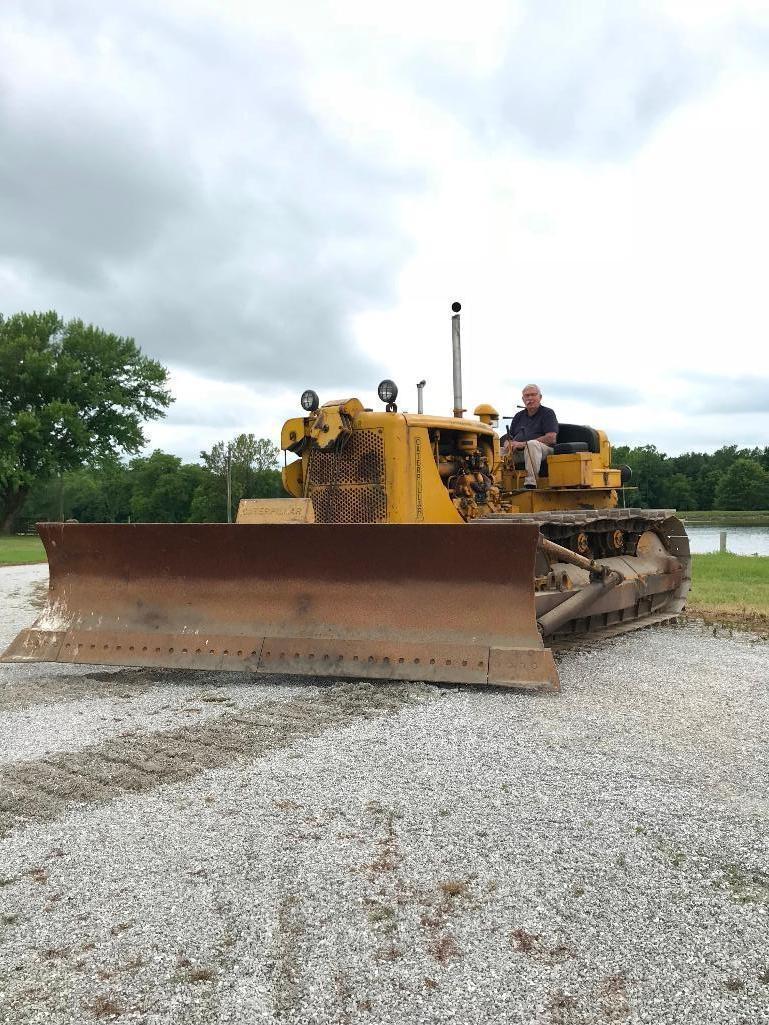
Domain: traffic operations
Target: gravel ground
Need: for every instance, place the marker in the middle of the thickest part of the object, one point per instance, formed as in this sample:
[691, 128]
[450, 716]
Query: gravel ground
[200, 847]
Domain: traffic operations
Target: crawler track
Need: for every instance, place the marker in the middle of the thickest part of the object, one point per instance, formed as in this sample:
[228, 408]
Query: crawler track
[612, 537]
[598, 526]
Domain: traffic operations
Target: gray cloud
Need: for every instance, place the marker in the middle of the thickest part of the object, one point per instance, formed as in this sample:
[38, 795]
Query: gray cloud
[175, 186]
[216, 414]
[586, 79]
[600, 394]
[78, 196]
[706, 394]
[744, 432]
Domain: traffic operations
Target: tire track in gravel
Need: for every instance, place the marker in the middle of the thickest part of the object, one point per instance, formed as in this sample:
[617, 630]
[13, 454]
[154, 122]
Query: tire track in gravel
[47, 788]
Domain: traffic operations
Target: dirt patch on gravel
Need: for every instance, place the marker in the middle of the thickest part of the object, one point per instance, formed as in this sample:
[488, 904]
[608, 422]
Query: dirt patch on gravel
[51, 688]
[731, 617]
[136, 762]
[34, 595]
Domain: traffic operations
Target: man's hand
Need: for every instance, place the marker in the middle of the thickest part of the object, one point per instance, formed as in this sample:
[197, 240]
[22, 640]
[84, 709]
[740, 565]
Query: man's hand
[512, 446]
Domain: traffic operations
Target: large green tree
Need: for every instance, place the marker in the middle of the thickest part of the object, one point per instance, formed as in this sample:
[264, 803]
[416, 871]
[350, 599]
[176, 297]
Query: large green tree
[651, 471]
[705, 485]
[745, 485]
[69, 393]
[254, 474]
[679, 493]
[162, 488]
[247, 453]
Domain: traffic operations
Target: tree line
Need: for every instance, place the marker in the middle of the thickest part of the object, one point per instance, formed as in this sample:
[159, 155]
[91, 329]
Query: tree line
[73, 402]
[159, 488]
[729, 478]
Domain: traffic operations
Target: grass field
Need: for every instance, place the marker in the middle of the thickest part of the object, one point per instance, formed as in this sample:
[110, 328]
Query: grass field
[740, 581]
[725, 518]
[17, 550]
[732, 590]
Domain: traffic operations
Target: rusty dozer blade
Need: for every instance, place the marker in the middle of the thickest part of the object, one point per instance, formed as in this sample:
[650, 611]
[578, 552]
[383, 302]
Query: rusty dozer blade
[384, 601]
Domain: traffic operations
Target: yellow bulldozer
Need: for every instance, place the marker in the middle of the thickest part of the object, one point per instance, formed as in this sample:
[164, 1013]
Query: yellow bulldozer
[410, 549]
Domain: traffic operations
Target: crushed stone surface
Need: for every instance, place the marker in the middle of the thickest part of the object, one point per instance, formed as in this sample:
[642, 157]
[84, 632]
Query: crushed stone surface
[213, 848]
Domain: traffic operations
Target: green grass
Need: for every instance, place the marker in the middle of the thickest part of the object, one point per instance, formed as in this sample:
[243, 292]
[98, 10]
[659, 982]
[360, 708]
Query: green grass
[736, 582]
[727, 518]
[17, 550]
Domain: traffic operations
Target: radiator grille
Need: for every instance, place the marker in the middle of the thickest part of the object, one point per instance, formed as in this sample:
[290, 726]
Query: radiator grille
[351, 504]
[361, 461]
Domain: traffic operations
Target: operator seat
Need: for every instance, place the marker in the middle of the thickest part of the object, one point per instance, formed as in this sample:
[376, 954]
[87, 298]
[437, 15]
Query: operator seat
[570, 438]
[575, 438]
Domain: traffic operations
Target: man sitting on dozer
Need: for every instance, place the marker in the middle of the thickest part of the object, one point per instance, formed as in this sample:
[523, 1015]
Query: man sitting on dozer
[533, 430]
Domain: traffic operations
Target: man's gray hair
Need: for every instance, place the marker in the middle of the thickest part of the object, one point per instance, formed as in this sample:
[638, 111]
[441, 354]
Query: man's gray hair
[535, 386]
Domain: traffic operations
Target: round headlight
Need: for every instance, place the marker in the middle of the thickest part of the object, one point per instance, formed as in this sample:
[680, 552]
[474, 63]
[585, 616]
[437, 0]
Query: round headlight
[388, 391]
[309, 400]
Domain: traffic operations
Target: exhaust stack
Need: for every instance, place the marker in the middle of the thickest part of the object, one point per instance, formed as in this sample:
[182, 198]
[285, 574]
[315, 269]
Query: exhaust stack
[456, 359]
[420, 403]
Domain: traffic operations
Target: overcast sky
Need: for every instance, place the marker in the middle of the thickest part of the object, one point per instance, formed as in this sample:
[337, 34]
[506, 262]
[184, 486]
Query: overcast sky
[271, 197]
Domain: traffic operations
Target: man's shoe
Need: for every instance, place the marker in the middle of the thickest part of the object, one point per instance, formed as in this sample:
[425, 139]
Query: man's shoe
[530, 487]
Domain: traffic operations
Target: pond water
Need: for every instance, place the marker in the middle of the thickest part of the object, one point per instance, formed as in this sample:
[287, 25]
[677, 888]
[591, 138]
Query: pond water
[739, 540]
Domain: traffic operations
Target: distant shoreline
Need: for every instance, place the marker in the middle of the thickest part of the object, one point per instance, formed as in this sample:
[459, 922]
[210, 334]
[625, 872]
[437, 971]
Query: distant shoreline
[726, 518]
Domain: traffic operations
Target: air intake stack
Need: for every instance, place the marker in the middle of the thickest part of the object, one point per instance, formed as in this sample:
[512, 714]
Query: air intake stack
[456, 352]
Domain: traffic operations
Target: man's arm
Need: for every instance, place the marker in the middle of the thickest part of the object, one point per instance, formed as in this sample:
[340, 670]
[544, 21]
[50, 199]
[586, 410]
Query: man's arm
[551, 429]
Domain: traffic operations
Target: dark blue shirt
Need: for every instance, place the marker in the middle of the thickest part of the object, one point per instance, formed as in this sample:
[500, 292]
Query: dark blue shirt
[526, 428]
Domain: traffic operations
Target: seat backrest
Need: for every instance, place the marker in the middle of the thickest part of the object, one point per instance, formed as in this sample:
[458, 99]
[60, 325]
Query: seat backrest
[576, 432]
